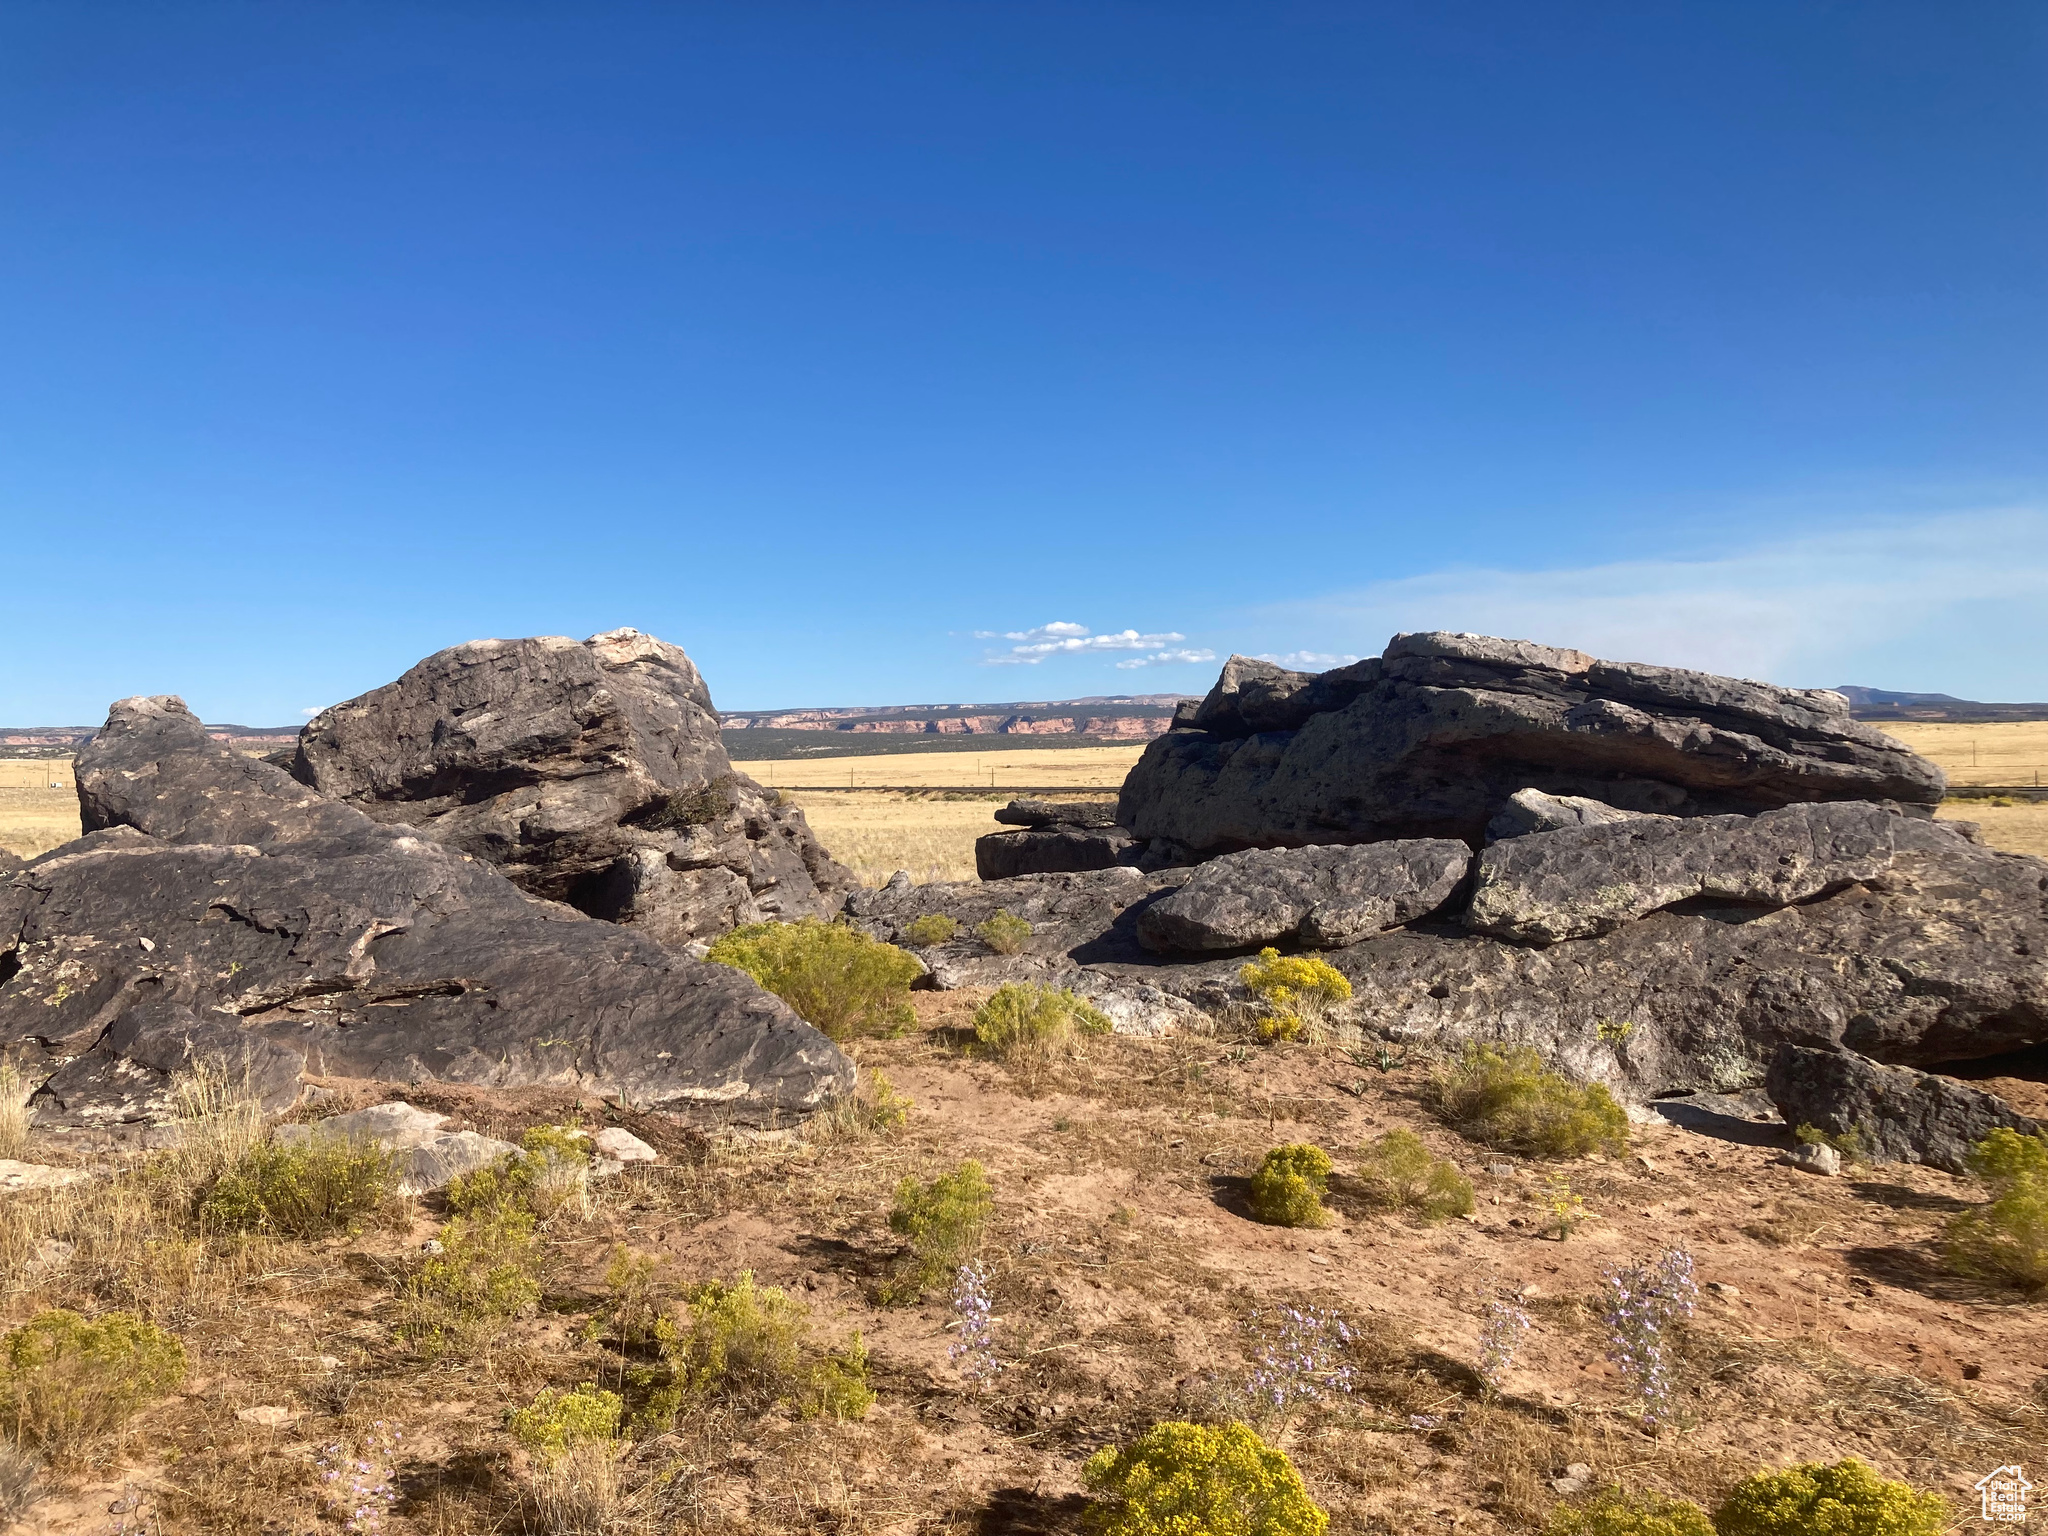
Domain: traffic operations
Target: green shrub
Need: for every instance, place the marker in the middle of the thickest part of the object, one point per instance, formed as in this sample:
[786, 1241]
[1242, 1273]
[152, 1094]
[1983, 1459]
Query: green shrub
[549, 1174]
[1398, 1172]
[1003, 933]
[838, 1384]
[1506, 1098]
[556, 1422]
[747, 1347]
[2006, 1239]
[488, 1271]
[1298, 992]
[1198, 1480]
[932, 928]
[833, 975]
[874, 1108]
[70, 1380]
[1287, 1191]
[943, 1221]
[1849, 1143]
[1846, 1499]
[1617, 1514]
[633, 1293]
[1023, 1020]
[319, 1186]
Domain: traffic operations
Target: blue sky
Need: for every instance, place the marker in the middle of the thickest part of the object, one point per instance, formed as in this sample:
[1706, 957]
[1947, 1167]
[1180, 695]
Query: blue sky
[841, 344]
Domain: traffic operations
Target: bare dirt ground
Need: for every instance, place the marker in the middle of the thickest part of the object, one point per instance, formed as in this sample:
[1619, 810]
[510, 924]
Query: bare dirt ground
[1130, 1286]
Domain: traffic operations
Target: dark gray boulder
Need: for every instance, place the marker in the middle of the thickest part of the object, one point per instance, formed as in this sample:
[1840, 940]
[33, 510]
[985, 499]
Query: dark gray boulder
[1583, 880]
[219, 908]
[1942, 957]
[1058, 813]
[1059, 837]
[1076, 919]
[1321, 897]
[1897, 1115]
[1433, 739]
[590, 772]
[1531, 810]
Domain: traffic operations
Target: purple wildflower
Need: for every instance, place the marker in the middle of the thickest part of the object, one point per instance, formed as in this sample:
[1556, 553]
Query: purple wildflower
[974, 1350]
[1500, 1339]
[1297, 1361]
[1644, 1302]
[364, 1492]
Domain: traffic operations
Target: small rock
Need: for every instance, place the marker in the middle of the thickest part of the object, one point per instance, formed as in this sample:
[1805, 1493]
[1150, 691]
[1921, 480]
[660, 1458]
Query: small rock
[1501, 1170]
[621, 1145]
[328, 1362]
[1722, 1289]
[447, 1158]
[1647, 1165]
[1575, 1480]
[432, 1245]
[1973, 1372]
[52, 1253]
[15, 1175]
[147, 944]
[900, 881]
[396, 1127]
[269, 1418]
[1816, 1157]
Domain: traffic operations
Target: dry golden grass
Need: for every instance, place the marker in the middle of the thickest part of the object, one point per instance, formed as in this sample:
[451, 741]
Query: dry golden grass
[1043, 768]
[2015, 828]
[876, 833]
[2013, 752]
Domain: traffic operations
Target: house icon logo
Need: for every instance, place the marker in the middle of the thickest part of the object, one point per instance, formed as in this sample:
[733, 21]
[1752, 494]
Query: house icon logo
[2005, 1495]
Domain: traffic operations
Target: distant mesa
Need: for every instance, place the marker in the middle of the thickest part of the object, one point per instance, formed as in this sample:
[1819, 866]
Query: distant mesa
[1133, 717]
[1882, 704]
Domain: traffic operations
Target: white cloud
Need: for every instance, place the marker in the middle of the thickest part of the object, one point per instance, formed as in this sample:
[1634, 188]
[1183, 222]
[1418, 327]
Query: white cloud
[1952, 604]
[309, 713]
[1064, 639]
[1159, 658]
[1308, 661]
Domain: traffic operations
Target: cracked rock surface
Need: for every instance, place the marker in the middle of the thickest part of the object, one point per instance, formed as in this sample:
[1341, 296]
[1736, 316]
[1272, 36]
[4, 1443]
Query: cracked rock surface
[1434, 737]
[288, 933]
[590, 772]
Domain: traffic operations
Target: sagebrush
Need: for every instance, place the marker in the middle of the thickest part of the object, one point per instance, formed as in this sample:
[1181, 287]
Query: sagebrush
[307, 1190]
[1398, 1172]
[1287, 1190]
[1004, 933]
[1027, 1021]
[1815, 1499]
[70, 1381]
[1183, 1479]
[1617, 1514]
[2005, 1240]
[1507, 1098]
[835, 976]
[943, 1221]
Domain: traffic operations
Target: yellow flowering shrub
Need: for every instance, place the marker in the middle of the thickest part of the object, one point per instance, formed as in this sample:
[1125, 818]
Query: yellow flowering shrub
[1198, 1480]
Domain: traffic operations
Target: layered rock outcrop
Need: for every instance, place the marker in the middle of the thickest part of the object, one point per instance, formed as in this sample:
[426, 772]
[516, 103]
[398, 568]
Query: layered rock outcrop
[1893, 1114]
[590, 772]
[218, 908]
[1058, 837]
[1433, 738]
[1320, 897]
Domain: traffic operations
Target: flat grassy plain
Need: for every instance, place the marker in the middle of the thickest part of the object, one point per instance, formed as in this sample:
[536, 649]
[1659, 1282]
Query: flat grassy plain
[877, 829]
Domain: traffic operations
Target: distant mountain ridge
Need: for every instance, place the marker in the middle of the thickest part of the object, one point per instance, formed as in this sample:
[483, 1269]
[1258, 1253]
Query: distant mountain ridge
[1128, 717]
[1883, 704]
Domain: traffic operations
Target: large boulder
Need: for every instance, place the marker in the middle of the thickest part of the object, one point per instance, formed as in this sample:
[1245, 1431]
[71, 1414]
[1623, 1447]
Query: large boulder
[1588, 879]
[1058, 837]
[218, 908]
[1433, 738]
[590, 772]
[1941, 957]
[1322, 897]
[1895, 1114]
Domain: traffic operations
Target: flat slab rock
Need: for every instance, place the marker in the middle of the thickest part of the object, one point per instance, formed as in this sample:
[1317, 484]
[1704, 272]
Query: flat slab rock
[1320, 897]
[1053, 850]
[591, 772]
[1582, 880]
[1434, 737]
[220, 908]
[1943, 957]
[1896, 1114]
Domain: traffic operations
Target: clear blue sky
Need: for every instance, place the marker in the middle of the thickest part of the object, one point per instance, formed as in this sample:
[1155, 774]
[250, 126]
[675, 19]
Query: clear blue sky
[838, 343]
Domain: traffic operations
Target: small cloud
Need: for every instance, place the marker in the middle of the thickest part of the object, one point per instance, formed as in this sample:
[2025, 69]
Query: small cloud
[1167, 658]
[309, 713]
[1064, 639]
[1308, 661]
